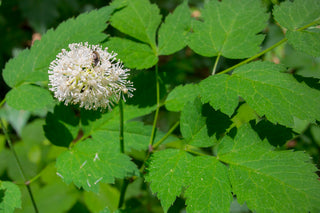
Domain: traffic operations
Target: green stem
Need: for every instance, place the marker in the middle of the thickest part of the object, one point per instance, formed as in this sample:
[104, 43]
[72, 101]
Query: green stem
[123, 192]
[153, 133]
[121, 126]
[19, 166]
[166, 135]
[2, 102]
[254, 57]
[216, 64]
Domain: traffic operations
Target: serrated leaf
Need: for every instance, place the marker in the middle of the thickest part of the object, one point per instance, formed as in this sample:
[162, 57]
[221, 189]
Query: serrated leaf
[307, 41]
[167, 173]
[29, 97]
[229, 28]
[209, 186]
[12, 197]
[173, 32]
[181, 95]
[63, 121]
[296, 14]
[193, 125]
[32, 66]
[269, 181]
[139, 19]
[269, 92]
[92, 161]
[133, 54]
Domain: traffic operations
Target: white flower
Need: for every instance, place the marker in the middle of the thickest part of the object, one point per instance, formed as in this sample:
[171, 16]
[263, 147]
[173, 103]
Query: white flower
[89, 76]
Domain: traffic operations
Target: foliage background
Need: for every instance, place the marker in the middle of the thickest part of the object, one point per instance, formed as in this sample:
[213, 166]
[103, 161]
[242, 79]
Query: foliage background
[20, 21]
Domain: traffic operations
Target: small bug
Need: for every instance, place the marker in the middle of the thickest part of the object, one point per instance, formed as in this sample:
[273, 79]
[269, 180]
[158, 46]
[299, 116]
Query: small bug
[96, 58]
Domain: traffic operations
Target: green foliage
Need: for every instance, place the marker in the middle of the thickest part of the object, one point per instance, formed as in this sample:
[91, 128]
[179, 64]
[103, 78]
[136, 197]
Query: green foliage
[256, 172]
[293, 16]
[193, 125]
[214, 143]
[29, 97]
[173, 32]
[167, 181]
[269, 92]
[11, 196]
[93, 161]
[229, 28]
[209, 186]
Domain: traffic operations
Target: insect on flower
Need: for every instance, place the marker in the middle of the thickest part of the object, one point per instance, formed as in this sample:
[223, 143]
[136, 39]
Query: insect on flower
[89, 76]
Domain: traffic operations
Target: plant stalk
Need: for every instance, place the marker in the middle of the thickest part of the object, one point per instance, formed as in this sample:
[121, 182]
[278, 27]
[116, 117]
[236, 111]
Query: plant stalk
[216, 64]
[121, 138]
[19, 166]
[153, 133]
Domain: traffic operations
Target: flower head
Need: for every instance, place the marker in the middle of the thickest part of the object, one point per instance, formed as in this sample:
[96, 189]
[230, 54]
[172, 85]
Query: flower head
[89, 76]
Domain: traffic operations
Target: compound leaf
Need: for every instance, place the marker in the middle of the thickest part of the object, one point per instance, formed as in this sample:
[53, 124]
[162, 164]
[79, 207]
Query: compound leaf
[269, 92]
[296, 14]
[173, 32]
[269, 181]
[229, 28]
[11, 198]
[29, 97]
[209, 186]
[32, 66]
[167, 172]
[92, 161]
[133, 54]
[139, 19]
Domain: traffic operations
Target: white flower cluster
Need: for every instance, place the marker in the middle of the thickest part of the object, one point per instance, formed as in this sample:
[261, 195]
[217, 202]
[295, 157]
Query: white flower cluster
[89, 76]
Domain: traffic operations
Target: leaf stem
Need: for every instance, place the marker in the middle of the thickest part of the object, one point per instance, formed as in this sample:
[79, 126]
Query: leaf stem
[153, 133]
[166, 135]
[123, 192]
[2, 102]
[19, 165]
[121, 138]
[255, 56]
[216, 64]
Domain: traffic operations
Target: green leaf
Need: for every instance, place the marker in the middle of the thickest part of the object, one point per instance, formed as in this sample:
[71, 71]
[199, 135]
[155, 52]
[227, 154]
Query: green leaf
[220, 93]
[29, 97]
[167, 173]
[193, 125]
[12, 197]
[181, 95]
[133, 54]
[296, 14]
[209, 186]
[93, 161]
[62, 121]
[229, 28]
[269, 181]
[32, 65]
[138, 19]
[269, 92]
[307, 41]
[173, 32]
